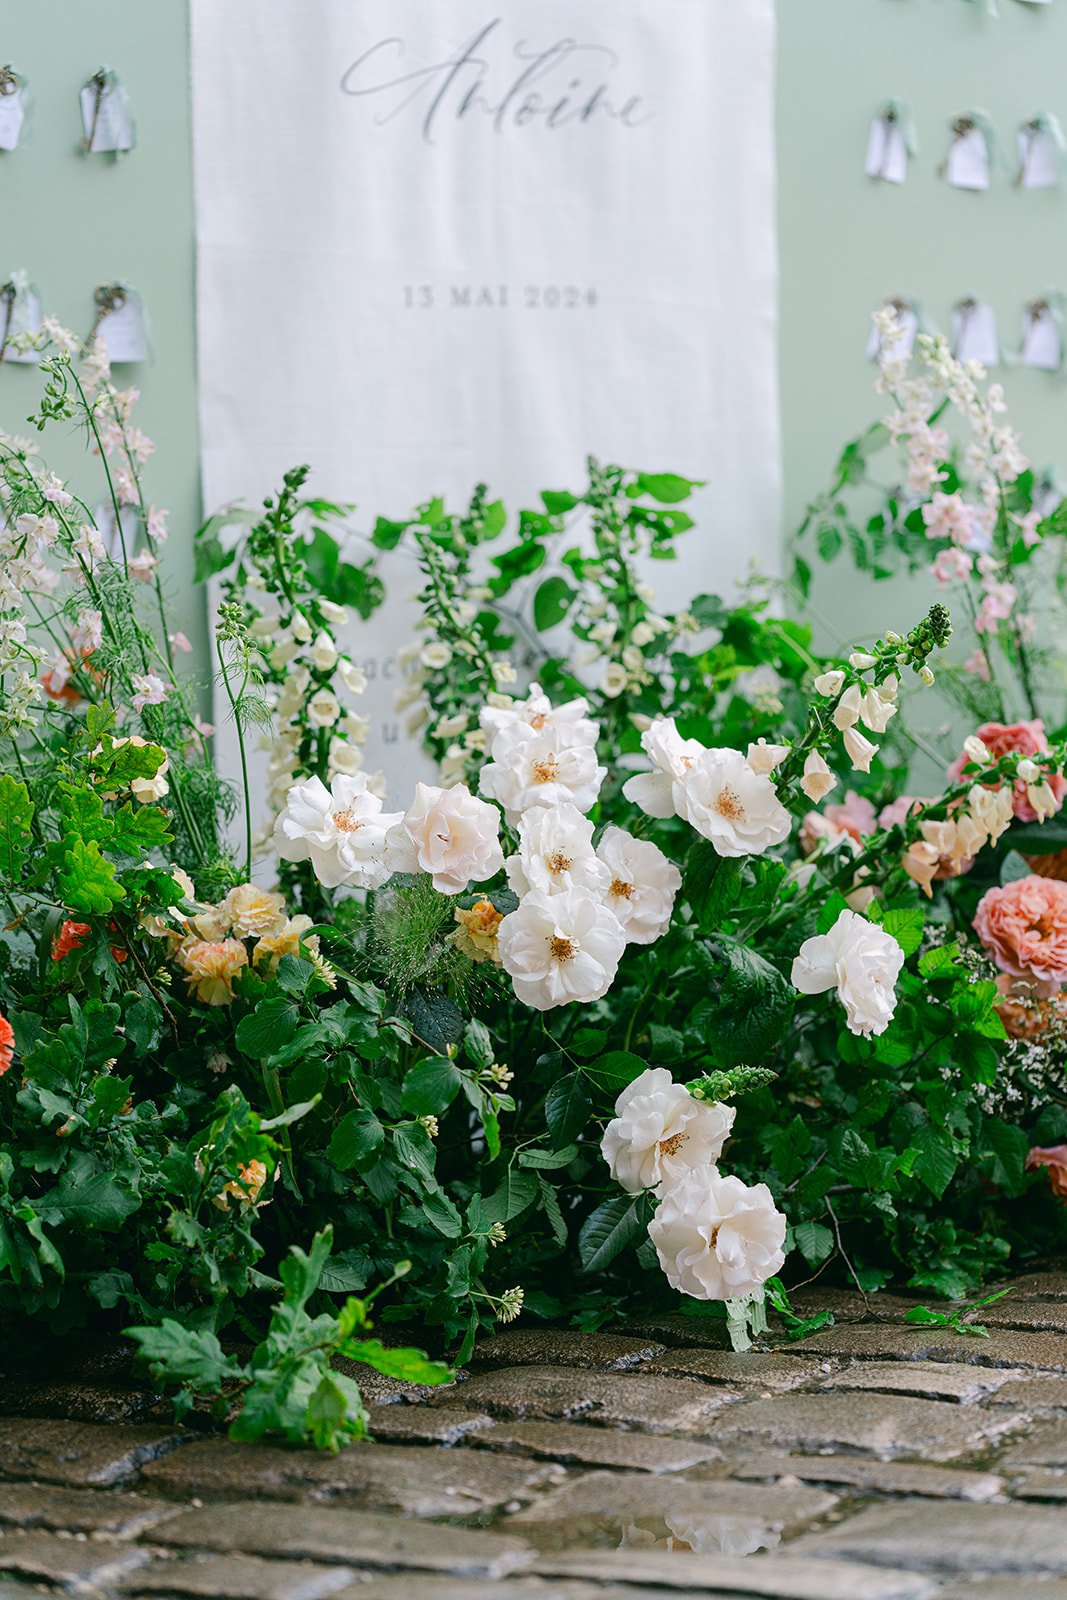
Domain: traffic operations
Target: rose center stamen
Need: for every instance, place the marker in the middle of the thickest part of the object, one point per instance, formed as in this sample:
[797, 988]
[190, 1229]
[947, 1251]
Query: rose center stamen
[558, 862]
[347, 821]
[624, 890]
[671, 1146]
[538, 720]
[562, 949]
[729, 804]
[545, 771]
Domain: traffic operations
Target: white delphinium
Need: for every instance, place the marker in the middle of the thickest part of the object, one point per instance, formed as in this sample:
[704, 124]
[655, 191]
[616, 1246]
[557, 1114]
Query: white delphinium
[450, 834]
[737, 809]
[716, 1237]
[540, 767]
[538, 712]
[642, 884]
[660, 1132]
[555, 853]
[671, 757]
[340, 830]
[558, 948]
[862, 962]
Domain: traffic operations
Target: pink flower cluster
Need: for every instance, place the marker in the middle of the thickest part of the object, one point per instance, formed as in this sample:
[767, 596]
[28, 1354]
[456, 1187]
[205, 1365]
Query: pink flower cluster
[1023, 925]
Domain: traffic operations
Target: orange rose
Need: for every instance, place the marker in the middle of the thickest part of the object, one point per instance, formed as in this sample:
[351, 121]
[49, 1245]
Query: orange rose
[7, 1044]
[1054, 1157]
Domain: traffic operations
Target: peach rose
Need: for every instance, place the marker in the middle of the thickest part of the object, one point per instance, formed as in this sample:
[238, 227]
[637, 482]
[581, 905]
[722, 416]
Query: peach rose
[1023, 925]
[7, 1044]
[1028, 739]
[1027, 1014]
[1054, 1157]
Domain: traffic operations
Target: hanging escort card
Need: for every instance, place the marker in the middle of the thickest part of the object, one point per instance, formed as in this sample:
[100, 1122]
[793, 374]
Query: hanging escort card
[967, 164]
[107, 126]
[120, 322]
[974, 333]
[20, 314]
[889, 144]
[12, 107]
[1042, 336]
[1040, 146]
[442, 242]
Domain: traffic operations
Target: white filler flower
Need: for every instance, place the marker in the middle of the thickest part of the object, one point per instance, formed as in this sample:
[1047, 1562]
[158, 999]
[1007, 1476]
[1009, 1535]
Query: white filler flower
[656, 792]
[660, 1132]
[450, 834]
[340, 830]
[537, 712]
[717, 1238]
[642, 884]
[556, 852]
[737, 809]
[860, 961]
[540, 768]
[560, 947]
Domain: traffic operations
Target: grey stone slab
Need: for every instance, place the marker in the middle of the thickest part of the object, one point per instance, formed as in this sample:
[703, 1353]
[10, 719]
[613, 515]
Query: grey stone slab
[779, 1577]
[873, 1424]
[615, 1399]
[424, 1424]
[1045, 1285]
[578, 1445]
[675, 1328]
[72, 1563]
[228, 1577]
[874, 1477]
[352, 1538]
[908, 1342]
[78, 1452]
[929, 1380]
[563, 1347]
[84, 1402]
[848, 1305]
[1015, 1312]
[1043, 1446]
[36, 1505]
[417, 1481]
[1041, 1485]
[1033, 1393]
[677, 1502]
[416, 1586]
[756, 1369]
[936, 1536]
[1004, 1589]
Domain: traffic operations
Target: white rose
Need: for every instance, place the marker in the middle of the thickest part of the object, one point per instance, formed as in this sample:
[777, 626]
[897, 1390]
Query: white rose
[450, 834]
[324, 708]
[830, 683]
[642, 884]
[354, 678]
[859, 750]
[717, 1238]
[672, 757]
[559, 948]
[537, 712]
[340, 830]
[660, 1132]
[555, 853]
[764, 757]
[818, 780]
[323, 652]
[862, 962]
[540, 768]
[736, 808]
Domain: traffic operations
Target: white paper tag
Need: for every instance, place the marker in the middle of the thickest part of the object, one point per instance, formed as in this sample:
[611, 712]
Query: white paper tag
[1042, 344]
[908, 320]
[25, 317]
[974, 333]
[123, 330]
[967, 164]
[106, 121]
[12, 116]
[887, 153]
[1039, 159]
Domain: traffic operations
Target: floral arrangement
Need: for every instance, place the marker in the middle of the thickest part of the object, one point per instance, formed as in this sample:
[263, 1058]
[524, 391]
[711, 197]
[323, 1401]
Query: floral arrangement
[620, 993]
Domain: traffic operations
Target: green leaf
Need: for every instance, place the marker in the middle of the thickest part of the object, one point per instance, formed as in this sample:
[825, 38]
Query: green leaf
[355, 1139]
[813, 1241]
[906, 924]
[16, 817]
[430, 1087]
[553, 1214]
[613, 1226]
[414, 1149]
[830, 910]
[558, 501]
[940, 958]
[89, 1200]
[327, 1416]
[441, 1213]
[567, 1109]
[398, 1362]
[712, 885]
[754, 1009]
[936, 1163]
[548, 1160]
[181, 1355]
[387, 535]
[269, 1028]
[516, 1194]
[615, 1070]
[552, 601]
[667, 487]
[87, 881]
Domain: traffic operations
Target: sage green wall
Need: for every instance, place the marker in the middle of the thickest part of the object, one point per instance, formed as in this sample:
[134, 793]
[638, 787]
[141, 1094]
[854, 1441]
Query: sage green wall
[73, 221]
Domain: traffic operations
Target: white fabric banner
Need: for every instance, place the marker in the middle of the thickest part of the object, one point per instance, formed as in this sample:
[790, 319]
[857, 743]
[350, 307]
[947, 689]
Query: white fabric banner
[441, 244]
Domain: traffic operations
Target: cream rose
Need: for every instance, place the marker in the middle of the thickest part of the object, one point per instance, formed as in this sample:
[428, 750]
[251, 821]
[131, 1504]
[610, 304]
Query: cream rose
[558, 948]
[660, 1132]
[737, 809]
[642, 884]
[717, 1238]
[450, 834]
[862, 962]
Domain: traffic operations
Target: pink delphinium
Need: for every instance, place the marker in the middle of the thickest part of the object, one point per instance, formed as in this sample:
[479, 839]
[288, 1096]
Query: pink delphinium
[1023, 925]
[1026, 739]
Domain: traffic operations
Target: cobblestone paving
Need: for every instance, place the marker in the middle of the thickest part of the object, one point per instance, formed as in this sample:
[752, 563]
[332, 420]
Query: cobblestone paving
[873, 1461]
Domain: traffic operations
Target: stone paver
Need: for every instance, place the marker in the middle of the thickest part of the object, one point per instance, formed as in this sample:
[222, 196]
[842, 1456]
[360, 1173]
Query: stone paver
[1004, 1589]
[374, 1477]
[1044, 1446]
[1033, 1393]
[762, 1370]
[1041, 1485]
[874, 1477]
[84, 1402]
[563, 1347]
[903, 1342]
[613, 1399]
[69, 1562]
[875, 1424]
[78, 1452]
[423, 1424]
[931, 1535]
[32, 1505]
[929, 1380]
[777, 1577]
[575, 1444]
[628, 1497]
[226, 1577]
[380, 1390]
[349, 1538]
